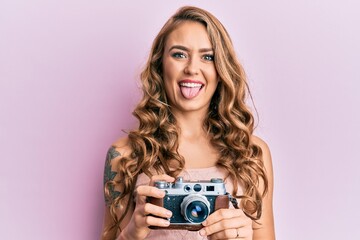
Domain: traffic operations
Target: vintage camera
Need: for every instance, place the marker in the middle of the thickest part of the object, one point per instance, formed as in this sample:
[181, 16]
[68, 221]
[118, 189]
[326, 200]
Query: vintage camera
[191, 202]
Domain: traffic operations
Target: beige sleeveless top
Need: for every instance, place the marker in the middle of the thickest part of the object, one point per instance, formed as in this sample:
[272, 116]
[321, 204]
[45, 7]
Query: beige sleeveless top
[189, 174]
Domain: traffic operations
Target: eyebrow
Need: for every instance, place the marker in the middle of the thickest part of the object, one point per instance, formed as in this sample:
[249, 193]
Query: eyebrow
[188, 50]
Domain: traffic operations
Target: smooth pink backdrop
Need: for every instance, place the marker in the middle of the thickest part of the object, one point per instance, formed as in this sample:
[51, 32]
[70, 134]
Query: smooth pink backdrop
[69, 81]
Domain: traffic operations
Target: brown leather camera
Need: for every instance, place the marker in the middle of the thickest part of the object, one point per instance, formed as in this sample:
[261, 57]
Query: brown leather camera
[191, 202]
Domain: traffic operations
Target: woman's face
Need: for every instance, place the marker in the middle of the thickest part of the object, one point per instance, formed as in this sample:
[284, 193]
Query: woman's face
[189, 72]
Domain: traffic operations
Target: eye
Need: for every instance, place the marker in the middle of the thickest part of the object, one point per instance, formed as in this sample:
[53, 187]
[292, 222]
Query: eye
[178, 55]
[208, 57]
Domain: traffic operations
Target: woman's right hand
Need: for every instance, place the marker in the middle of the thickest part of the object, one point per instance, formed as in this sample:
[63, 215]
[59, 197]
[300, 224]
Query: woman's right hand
[147, 214]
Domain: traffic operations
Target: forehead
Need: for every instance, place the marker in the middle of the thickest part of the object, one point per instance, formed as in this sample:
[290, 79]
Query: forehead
[190, 34]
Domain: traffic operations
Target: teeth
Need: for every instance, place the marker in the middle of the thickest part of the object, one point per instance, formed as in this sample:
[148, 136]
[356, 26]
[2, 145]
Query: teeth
[191, 85]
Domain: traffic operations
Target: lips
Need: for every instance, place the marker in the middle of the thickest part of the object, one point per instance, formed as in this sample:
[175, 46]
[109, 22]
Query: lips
[190, 88]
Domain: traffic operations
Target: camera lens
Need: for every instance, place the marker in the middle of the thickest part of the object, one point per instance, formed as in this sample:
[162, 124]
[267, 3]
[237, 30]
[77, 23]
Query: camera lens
[197, 212]
[195, 208]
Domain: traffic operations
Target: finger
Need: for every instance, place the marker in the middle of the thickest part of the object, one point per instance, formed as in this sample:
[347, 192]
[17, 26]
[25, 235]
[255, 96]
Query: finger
[222, 225]
[226, 234]
[154, 221]
[144, 191]
[223, 214]
[226, 219]
[240, 233]
[156, 211]
[163, 177]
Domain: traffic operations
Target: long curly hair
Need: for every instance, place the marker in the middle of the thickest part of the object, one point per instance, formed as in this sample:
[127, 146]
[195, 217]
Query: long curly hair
[229, 122]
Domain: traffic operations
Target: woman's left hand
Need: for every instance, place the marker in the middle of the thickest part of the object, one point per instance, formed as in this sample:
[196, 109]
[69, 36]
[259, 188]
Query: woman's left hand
[228, 224]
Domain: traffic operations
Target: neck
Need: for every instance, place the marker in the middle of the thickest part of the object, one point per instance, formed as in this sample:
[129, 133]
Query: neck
[191, 124]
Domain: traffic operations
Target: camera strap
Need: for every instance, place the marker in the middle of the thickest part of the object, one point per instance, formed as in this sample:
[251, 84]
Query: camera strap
[233, 201]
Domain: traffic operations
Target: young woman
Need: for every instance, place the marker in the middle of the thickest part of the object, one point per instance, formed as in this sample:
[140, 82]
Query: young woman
[194, 123]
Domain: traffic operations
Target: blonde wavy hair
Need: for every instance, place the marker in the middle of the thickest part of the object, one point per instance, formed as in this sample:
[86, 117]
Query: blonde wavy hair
[229, 122]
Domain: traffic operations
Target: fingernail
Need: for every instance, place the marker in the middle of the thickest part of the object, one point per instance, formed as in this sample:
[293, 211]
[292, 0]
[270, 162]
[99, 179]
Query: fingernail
[202, 232]
[168, 214]
[165, 223]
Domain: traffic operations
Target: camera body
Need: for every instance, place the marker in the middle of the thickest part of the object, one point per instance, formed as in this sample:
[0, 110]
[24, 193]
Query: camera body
[191, 202]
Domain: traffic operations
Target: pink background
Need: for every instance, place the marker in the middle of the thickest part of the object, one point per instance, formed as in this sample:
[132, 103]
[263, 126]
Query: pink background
[68, 83]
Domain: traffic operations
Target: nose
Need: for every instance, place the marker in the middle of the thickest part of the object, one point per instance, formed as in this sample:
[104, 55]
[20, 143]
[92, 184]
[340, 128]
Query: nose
[192, 67]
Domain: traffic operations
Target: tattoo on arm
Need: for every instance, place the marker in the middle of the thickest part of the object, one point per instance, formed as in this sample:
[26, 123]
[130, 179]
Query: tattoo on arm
[109, 175]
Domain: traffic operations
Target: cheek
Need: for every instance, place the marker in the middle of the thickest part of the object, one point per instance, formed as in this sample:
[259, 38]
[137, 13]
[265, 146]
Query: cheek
[168, 88]
[212, 76]
[168, 77]
[170, 70]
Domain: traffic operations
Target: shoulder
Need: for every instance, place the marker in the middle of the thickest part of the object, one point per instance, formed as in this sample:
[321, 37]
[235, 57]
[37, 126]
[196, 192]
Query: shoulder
[266, 154]
[120, 148]
[261, 143]
[117, 151]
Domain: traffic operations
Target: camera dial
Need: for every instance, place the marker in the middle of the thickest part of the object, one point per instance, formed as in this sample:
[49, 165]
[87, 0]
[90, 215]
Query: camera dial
[216, 180]
[161, 184]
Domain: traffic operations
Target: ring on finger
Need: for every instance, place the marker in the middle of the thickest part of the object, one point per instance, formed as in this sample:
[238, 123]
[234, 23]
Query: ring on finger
[237, 233]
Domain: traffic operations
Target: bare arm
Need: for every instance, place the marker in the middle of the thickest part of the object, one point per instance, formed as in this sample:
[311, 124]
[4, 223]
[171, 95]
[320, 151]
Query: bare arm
[233, 223]
[140, 214]
[113, 156]
[264, 229]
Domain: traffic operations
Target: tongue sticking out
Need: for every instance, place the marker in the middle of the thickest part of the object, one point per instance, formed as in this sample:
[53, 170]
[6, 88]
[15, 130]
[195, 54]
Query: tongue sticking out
[190, 92]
